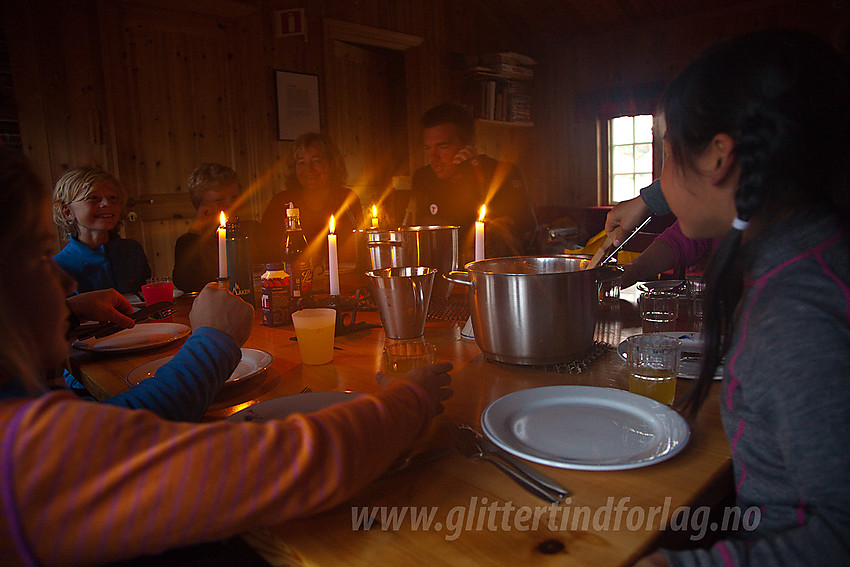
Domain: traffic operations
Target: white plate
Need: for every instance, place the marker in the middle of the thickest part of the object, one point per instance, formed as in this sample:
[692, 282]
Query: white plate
[279, 408]
[585, 428]
[140, 337]
[692, 344]
[253, 362]
[137, 301]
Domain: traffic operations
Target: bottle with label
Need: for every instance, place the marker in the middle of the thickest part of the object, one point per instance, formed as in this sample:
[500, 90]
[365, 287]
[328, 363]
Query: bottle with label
[296, 262]
[239, 262]
[274, 285]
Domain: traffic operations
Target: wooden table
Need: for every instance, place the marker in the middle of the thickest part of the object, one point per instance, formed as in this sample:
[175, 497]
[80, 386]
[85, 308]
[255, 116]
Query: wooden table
[470, 500]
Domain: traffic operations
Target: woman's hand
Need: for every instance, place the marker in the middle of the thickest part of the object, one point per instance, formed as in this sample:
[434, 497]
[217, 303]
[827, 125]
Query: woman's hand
[434, 379]
[216, 307]
[103, 305]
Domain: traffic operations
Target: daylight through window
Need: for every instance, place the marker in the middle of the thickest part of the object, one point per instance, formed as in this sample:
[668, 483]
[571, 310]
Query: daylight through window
[630, 155]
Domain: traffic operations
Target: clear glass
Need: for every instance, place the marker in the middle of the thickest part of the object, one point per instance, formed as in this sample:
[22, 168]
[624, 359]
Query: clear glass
[659, 311]
[403, 356]
[653, 365]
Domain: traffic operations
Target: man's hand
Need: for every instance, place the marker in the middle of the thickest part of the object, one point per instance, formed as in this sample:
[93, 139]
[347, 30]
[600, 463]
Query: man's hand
[625, 217]
[216, 307]
[467, 153]
[104, 305]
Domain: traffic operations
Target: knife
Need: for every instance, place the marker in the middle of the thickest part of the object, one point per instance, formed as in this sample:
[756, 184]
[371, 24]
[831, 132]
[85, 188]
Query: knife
[467, 442]
[529, 471]
[109, 328]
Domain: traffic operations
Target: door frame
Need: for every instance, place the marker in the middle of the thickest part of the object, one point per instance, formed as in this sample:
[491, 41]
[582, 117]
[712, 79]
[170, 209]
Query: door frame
[338, 30]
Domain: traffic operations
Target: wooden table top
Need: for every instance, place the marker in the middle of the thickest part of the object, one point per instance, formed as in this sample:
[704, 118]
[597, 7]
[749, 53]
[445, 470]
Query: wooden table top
[480, 517]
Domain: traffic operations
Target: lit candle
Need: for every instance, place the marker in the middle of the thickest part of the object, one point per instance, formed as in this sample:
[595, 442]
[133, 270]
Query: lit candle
[374, 216]
[222, 245]
[479, 236]
[333, 265]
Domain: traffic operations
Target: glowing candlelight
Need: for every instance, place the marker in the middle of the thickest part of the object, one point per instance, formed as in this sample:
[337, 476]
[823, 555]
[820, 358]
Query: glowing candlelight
[333, 265]
[222, 245]
[374, 216]
[479, 235]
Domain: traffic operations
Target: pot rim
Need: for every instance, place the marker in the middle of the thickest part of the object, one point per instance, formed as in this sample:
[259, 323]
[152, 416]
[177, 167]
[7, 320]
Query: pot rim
[472, 268]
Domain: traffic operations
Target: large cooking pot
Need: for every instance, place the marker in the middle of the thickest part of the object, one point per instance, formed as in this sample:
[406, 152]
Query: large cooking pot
[532, 309]
[408, 246]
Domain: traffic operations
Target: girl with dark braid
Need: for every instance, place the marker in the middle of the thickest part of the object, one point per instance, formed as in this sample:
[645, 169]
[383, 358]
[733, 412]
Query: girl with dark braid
[757, 135]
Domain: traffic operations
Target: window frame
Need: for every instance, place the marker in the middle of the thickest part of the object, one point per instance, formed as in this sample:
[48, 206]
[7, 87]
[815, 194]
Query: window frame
[604, 154]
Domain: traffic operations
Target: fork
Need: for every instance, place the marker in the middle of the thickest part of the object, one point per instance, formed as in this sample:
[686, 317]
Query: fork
[108, 328]
[306, 390]
[468, 445]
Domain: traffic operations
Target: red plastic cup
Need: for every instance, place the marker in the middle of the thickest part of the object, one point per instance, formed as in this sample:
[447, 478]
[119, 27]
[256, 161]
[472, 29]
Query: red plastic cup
[156, 292]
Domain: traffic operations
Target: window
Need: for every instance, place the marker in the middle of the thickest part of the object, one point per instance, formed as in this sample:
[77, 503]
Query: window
[630, 156]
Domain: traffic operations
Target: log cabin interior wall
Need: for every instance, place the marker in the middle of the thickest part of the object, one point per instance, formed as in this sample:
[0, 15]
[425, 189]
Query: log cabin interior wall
[150, 88]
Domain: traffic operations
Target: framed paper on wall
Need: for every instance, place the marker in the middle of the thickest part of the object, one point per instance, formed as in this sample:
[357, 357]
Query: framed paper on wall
[297, 104]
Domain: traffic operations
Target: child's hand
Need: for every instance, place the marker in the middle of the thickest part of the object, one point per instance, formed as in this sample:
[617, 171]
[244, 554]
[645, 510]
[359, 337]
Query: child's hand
[216, 307]
[434, 379]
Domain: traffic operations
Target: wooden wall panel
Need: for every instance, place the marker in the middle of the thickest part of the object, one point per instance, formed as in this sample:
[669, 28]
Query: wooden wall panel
[60, 75]
[638, 55]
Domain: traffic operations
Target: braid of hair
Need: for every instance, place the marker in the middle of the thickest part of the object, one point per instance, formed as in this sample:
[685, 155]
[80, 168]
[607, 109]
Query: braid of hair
[755, 149]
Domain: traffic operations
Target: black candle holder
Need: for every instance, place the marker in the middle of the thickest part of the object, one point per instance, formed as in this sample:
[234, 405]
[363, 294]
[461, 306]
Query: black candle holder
[347, 308]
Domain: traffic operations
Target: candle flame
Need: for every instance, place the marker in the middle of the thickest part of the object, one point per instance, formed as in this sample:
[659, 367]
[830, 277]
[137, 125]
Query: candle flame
[332, 224]
[222, 220]
[481, 214]
[374, 211]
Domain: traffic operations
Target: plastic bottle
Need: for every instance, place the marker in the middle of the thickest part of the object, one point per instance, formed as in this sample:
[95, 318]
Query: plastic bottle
[296, 262]
[274, 285]
[239, 262]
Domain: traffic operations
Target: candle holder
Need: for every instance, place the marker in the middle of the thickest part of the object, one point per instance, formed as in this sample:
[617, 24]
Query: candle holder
[346, 310]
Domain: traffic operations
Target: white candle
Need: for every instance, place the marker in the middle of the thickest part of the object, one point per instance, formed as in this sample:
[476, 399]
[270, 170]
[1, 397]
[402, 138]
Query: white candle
[374, 216]
[333, 265]
[222, 245]
[479, 236]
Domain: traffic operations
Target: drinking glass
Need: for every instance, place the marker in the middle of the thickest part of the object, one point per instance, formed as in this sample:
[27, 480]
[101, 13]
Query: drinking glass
[653, 366]
[659, 311]
[315, 331]
[696, 300]
[156, 290]
[403, 356]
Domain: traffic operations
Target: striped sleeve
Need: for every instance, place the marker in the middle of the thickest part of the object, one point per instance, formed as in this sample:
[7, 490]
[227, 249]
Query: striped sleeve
[89, 483]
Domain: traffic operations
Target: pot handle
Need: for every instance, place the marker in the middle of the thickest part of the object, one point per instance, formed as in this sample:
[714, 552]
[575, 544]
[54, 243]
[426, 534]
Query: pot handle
[458, 277]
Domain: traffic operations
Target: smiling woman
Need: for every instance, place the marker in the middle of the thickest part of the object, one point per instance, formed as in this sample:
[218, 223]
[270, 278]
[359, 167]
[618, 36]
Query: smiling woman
[87, 205]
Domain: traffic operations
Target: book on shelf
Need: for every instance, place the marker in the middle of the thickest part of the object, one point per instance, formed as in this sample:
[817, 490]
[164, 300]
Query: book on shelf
[498, 99]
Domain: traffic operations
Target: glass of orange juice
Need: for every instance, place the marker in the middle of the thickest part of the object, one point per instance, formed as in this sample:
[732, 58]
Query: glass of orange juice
[315, 331]
[654, 366]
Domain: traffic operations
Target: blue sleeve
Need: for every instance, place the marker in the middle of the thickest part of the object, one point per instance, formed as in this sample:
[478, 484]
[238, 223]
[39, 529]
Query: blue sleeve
[654, 198]
[183, 389]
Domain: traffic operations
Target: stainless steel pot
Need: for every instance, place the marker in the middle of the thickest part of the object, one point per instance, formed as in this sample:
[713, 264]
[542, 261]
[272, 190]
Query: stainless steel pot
[532, 309]
[430, 246]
